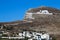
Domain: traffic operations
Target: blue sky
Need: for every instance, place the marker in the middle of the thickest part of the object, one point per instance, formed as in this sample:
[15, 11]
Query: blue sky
[12, 10]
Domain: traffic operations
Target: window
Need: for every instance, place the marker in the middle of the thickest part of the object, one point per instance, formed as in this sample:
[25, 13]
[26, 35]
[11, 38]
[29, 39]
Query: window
[43, 39]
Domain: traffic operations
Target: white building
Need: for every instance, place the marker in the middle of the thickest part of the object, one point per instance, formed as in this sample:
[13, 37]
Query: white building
[37, 36]
[20, 34]
[45, 36]
[44, 12]
[40, 36]
[25, 34]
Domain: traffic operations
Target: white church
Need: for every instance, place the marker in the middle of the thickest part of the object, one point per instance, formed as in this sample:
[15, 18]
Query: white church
[30, 14]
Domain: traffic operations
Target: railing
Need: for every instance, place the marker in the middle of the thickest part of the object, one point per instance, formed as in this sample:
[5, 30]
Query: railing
[13, 37]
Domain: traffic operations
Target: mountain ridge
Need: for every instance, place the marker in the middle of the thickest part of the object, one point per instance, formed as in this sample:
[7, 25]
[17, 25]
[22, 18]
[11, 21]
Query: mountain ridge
[50, 9]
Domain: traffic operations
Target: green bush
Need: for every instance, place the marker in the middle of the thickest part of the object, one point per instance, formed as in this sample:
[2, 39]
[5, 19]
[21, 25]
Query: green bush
[53, 38]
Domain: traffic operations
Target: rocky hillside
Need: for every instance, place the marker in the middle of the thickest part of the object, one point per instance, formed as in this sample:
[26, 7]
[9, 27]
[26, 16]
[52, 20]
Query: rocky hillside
[47, 23]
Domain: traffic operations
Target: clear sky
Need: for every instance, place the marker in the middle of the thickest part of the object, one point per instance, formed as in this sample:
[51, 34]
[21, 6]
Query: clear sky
[12, 10]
